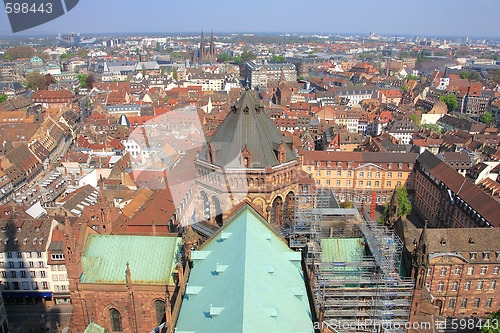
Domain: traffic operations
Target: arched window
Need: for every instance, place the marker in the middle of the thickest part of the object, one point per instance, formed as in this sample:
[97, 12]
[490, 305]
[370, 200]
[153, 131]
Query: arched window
[289, 207]
[160, 311]
[277, 211]
[116, 320]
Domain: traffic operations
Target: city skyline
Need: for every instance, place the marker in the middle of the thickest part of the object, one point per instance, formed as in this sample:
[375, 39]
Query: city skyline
[425, 18]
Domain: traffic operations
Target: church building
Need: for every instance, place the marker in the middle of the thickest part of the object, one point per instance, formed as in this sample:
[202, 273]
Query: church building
[247, 159]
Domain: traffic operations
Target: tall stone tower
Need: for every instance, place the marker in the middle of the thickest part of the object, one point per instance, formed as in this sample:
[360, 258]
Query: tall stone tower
[201, 56]
[246, 159]
[211, 51]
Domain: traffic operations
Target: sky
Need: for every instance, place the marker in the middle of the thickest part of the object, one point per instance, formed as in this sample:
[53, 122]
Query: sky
[476, 18]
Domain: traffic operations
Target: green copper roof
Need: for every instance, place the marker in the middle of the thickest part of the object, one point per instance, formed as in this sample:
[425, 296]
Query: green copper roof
[245, 279]
[247, 126]
[341, 251]
[151, 259]
[94, 328]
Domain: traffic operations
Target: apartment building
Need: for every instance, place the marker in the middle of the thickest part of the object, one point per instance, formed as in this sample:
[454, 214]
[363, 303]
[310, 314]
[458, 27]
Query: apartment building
[449, 200]
[355, 176]
[460, 268]
[259, 74]
[25, 275]
[208, 82]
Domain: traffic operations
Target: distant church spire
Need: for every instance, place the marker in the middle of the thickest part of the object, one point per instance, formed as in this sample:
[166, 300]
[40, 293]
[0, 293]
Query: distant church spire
[202, 47]
[212, 47]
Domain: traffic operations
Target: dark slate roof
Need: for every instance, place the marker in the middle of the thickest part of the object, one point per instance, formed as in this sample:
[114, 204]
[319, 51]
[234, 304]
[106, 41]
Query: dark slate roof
[467, 125]
[403, 126]
[454, 240]
[470, 193]
[247, 126]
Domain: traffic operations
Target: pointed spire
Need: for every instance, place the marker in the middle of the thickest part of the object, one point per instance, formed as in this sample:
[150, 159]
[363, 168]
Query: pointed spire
[202, 47]
[128, 276]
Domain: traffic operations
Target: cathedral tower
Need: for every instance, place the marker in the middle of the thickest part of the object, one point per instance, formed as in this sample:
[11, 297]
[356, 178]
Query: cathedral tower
[246, 159]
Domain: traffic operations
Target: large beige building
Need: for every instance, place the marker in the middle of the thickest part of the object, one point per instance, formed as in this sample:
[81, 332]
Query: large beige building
[355, 176]
[260, 74]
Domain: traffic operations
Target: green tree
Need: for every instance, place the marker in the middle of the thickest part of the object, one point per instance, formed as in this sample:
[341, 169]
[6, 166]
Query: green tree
[464, 75]
[491, 325]
[174, 73]
[3, 98]
[405, 88]
[411, 77]
[162, 70]
[224, 57]
[346, 204]
[82, 78]
[475, 76]
[414, 117]
[247, 56]
[7, 58]
[403, 201]
[143, 71]
[435, 128]
[450, 101]
[278, 58]
[486, 117]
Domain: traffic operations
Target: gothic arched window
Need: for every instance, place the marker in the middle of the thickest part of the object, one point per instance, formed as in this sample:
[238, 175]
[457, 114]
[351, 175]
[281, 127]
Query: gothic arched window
[160, 311]
[116, 320]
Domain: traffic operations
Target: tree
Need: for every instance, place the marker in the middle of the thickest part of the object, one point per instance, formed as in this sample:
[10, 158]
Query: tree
[346, 204]
[36, 81]
[82, 79]
[486, 117]
[435, 128]
[414, 117]
[411, 77]
[162, 70]
[50, 79]
[3, 98]
[464, 75]
[405, 88]
[403, 202]
[450, 101]
[20, 52]
[475, 76]
[7, 58]
[247, 56]
[224, 57]
[144, 71]
[89, 81]
[174, 73]
[491, 325]
[278, 59]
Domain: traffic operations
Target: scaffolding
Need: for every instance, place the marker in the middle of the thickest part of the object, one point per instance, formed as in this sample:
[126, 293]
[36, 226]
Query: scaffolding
[362, 291]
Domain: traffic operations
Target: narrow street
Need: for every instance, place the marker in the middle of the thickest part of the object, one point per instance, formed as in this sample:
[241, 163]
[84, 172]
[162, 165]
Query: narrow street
[38, 318]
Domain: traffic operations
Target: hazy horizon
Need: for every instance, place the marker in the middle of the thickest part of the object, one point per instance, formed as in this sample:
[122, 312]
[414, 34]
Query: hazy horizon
[444, 18]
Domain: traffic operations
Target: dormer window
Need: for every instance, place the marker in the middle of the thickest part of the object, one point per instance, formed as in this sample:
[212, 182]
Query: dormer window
[473, 255]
